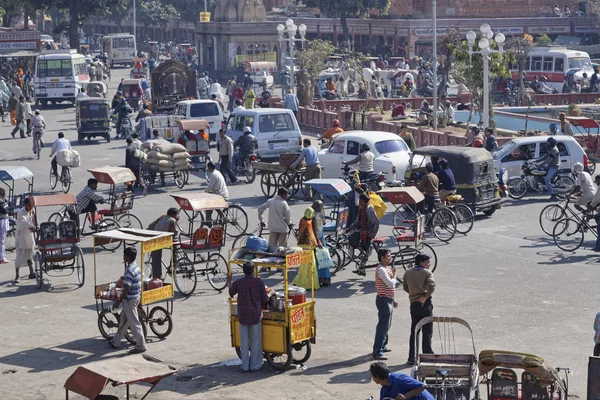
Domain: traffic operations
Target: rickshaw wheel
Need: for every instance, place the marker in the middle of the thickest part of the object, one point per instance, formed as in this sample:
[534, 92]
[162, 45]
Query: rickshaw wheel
[57, 218]
[39, 279]
[301, 352]
[403, 217]
[280, 362]
[185, 276]
[237, 220]
[217, 271]
[287, 181]
[107, 224]
[268, 184]
[79, 265]
[108, 323]
[11, 239]
[443, 224]
[405, 258]
[185, 175]
[129, 221]
[143, 319]
[179, 181]
[240, 241]
[160, 321]
[549, 216]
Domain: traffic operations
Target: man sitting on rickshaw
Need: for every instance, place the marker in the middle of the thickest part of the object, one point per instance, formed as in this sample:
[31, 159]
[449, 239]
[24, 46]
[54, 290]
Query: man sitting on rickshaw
[86, 202]
[446, 178]
[365, 226]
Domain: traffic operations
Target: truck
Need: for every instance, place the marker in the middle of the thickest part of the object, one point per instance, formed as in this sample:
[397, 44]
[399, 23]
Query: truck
[172, 82]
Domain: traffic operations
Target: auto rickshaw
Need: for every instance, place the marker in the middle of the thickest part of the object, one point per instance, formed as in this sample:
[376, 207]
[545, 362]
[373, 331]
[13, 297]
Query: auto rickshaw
[97, 89]
[133, 93]
[473, 170]
[93, 118]
[140, 69]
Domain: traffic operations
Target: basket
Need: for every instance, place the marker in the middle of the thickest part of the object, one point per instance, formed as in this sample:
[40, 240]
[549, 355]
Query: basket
[287, 159]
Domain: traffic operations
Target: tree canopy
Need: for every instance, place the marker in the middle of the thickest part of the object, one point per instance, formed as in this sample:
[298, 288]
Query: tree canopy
[310, 64]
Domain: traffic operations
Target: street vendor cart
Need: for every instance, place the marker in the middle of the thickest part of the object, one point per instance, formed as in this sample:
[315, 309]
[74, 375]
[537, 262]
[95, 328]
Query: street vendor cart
[289, 325]
[9, 176]
[157, 317]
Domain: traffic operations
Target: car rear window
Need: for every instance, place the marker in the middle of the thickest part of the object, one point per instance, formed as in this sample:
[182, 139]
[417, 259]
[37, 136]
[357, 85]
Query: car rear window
[390, 146]
[200, 110]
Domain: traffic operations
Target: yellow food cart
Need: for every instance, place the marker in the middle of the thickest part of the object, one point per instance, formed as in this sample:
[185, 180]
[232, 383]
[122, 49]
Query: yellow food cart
[288, 331]
[158, 318]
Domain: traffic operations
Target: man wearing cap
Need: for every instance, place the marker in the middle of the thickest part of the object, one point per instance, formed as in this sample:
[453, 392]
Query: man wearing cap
[133, 162]
[251, 298]
[279, 218]
[584, 187]
[20, 115]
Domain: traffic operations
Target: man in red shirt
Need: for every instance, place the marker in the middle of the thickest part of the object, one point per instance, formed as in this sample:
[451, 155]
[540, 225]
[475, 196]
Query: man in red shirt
[385, 286]
[252, 296]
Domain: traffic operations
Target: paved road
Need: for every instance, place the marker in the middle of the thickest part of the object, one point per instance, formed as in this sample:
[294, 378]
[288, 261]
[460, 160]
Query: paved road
[516, 289]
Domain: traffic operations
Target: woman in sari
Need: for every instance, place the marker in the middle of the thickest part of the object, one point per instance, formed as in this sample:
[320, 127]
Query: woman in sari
[318, 221]
[307, 240]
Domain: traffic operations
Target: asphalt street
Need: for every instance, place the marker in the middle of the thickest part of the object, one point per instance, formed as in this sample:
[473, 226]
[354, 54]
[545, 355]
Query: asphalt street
[506, 278]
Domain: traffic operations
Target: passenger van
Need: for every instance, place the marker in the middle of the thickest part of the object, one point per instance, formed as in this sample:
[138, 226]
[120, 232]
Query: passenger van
[120, 48]
[554, 63]
[202, 109]
[275, 129]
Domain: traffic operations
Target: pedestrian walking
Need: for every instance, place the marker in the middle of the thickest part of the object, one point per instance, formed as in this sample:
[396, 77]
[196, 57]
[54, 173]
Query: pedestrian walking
[279, 218]
[249, 98]
[28, 115]
[164, 223]
[385, 286]
[132, 289]
[20, 118]
[418, 282]
[291, 102]
[231, 86]
[251, 298]
[3, 225]
[133, 161]
[25, 240]
[313, 168]
[225, 148]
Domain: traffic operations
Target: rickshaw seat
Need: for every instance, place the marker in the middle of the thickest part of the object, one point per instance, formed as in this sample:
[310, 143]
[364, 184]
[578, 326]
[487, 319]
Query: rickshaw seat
[58, 245]
[215, 237]
[198, 241]
[454, 198]
[380, 240]
[443, 372]
[408, 236]
[48, 233]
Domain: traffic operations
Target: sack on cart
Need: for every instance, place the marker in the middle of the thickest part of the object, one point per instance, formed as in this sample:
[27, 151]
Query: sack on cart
[68, 158]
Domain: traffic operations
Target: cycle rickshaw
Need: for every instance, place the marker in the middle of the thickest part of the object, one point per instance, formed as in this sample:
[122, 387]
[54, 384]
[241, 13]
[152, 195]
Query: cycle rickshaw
[157, 317]
[202, 247]
[58, 248]
[9, 176]
[199, 150]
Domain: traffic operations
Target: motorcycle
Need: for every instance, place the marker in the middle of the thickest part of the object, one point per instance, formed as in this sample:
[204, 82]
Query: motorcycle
[125, 129]
[245, 168]
[533, 178]
[375, 182]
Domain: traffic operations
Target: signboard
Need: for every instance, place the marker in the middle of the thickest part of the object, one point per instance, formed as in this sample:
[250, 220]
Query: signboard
[297, 259]
[402, 32]
[301, 319]
[18, 46]
[157, 244]
[269, 56]
[512, 30]
[377, 31]
[548, 29]
[450, 11]
[585, 29]
[428, 32]
[20, 35]
[158, 294]
[359, 30]
[204, 16]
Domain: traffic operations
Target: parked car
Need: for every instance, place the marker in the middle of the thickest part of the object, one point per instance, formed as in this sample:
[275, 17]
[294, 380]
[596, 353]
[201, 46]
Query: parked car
[392, 155]
[202, 109]
[514, 153]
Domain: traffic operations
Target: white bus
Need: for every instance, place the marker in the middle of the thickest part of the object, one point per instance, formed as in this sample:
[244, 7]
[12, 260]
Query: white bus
[59, 74]
[120, 48]
[554, 63]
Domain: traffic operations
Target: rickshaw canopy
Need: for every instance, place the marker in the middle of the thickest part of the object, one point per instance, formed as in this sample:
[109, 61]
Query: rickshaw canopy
[402, 195]
[200, 201]
[161, 240]
[192, 124]
[329, 187]
[15, 173]
[81, 103]
[54, 200]
[583, 122]
[535, 365]
[468, 164]
[91, 90]
[112, 175]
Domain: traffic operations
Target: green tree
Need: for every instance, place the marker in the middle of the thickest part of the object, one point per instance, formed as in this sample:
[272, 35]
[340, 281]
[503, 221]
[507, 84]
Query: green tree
[121, 11]
[519, 48]
[544, 40]
[310, 64]
[155, 12]
[447, 45]
[190, 9]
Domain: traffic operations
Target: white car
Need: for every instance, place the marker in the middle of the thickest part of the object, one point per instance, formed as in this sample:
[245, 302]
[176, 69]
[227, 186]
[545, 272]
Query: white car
[514, 153]
[392, 155]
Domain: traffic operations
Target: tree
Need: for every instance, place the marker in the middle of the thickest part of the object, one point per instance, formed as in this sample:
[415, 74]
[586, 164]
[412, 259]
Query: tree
[155, 12]
[121, 11]
[519, 48]
[544, 40]
[447, 45]
[190, 9]
[348, 8]
[310, 65]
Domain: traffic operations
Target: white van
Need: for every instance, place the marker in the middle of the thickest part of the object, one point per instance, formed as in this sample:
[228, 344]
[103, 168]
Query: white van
[202, 109]
[275, 129]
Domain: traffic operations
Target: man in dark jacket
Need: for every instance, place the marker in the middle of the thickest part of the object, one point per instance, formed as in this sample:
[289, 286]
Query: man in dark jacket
[123, 111]
[246, 144]
[490, 140]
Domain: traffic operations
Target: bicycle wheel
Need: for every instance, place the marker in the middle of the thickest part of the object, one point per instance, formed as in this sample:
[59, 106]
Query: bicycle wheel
[268, 183]
[39, 148]
[108, 323]
[464, 218]
[65, 180]
[185, 175]
[216, 271]
[108, 224]
[58, 217]
[443, 224]
[549, 216]
[429, 251]
[517, 188]
[160, 322]
[250, 173]
[53, 180]
[405, 258]
[185, 276]
[10, 243]
[404, 217]
[179, 181]
[79, 266]
[129, 221]
[592, 165]
[568, 234]
[237, 220]
[338, 261]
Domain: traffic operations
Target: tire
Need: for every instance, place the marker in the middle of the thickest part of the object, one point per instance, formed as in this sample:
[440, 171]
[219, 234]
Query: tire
[517, 188]
[108, 323]
[404, 217]
[53, 180]
[563, 185]
[108, 138]
[143, 319]
[79, 266]
[237, 220]
[216, 273]
[250, 173]
[464, 218]
[443, 224]
[567, 234]
[39, 276]
[185, 276]
[592, 165]
[10, 242]
[57, 218]
[549, 216]
[179, 181]
[129, 221]
[289, 182]
[280, 362]
[80, 139]
[405, 258]
[338, 261]
[490, 211]
[108, 224]
[66, 181]
[268, 184]
[301, 352]
[160, 322]
[185, 175]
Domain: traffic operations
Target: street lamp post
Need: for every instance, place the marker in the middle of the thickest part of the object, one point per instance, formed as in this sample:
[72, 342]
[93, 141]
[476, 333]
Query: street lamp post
[290, 28]
[134, 20]
[484, 44]
[434, 65]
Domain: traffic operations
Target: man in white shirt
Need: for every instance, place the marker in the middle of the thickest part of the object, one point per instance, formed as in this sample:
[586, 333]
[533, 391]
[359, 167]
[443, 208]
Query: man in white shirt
[59, 144]
[216, 185]
[594, 205]
[279, 218]
[216, 89]
[239, 105]
[81, 95]
[583, 181]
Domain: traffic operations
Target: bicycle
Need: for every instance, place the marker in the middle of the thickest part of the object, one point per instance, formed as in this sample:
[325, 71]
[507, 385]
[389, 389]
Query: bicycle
[553, 213]
[65, 179]
[38, 143]
[464, 214]
[568, 232]
[442, 222]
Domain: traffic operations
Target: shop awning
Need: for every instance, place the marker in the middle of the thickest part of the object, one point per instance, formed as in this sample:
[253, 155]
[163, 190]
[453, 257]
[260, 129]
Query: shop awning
[21, 53]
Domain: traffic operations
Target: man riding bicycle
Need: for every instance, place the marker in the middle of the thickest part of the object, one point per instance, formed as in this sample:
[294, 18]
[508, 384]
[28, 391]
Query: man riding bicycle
[39, 124]
[365, 226]
[59, 144]
[246, 144]
[86, 202]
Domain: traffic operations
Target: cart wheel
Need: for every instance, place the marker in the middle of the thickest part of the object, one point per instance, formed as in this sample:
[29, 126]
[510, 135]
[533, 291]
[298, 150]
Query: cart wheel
[443, 224]
[280, 362]
[405, 258]
[216, 273]
[160, 321]
[288, 181]
[185, 175]
[108, 323]
[268, 184]
[185, 276]
[301, 352]
[237, 221]
[179, 181]
[79, 265]
[53, 180]
[250, 173]
[39, 278]
[107, 224]
[65, 180]
[143, 319]
[11, 240]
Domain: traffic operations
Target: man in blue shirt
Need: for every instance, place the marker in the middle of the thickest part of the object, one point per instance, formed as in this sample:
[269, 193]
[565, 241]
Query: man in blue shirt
[447, 181]
[132, 290]
[313, 168]
[397, 385]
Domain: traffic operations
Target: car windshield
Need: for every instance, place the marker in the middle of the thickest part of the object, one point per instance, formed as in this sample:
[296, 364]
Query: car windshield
[390, 146]
[580, 62]
[507, 147]
[200, 110]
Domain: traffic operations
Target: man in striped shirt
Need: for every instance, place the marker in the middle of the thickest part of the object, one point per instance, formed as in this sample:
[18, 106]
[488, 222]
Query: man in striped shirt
[132, 290]
[385, 285]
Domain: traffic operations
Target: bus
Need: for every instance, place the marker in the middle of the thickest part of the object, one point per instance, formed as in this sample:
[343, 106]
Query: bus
[120, 48]
[554, 63]
[59, 74]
